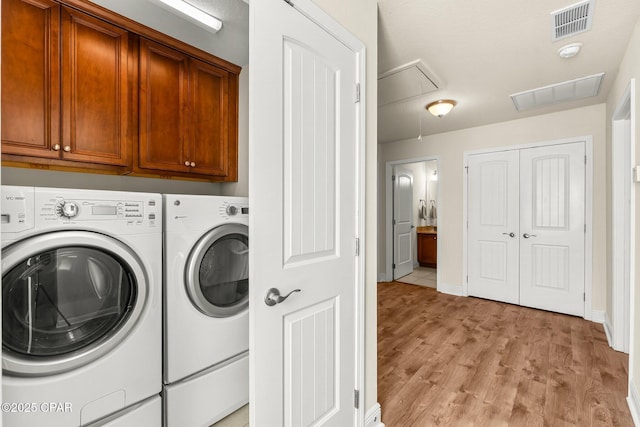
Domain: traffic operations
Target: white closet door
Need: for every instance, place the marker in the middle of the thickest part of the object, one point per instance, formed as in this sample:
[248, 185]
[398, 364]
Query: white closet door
[493, 226]
[552, 227]
[402, 222]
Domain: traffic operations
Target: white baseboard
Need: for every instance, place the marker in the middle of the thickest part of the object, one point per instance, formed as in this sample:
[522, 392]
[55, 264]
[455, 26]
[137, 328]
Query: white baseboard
[382, 277]
[373, 417]
[633, 400]
[597, 316]
[445, 288]
[608, 330]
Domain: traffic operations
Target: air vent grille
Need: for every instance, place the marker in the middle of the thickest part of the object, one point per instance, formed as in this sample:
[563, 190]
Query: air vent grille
[572, 20]
[571, 90]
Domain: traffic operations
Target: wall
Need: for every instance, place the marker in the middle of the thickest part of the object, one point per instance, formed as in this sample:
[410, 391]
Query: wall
[629, 68]
[450, 148]
[361, 18]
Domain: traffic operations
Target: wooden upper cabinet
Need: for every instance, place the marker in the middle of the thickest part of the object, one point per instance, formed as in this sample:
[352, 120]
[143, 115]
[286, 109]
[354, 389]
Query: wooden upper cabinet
[188, 115]
[65, 86]
[96, 108]
[163, 104]
[30, 77]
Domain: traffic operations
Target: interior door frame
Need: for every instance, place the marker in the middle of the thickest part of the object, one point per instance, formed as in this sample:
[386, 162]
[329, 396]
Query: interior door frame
[617, 325]
[315, 14]
[588, 247]
[388, 208]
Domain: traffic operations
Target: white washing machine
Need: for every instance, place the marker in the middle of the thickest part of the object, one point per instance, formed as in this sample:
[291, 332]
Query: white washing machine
[206, 316]
[81, 304]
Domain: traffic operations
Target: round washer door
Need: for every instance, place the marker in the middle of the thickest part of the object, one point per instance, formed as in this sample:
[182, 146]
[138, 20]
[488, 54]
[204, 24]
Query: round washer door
[68, 298]
[217, 271]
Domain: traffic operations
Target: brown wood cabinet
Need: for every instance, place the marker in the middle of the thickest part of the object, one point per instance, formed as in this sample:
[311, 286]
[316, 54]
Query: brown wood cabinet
[188, 114]
[86, 89]
[65, 86]
[428, 249]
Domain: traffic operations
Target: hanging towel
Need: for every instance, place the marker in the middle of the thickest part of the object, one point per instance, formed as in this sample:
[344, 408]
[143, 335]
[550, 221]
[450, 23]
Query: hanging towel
[423, 209]
[433, 214]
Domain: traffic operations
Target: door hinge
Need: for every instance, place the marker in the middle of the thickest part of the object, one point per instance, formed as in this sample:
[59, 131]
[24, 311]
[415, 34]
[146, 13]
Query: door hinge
[289, 2]
[584, 297]
[467, 169]
[393, 177]
[467, 279]
[585, 159]
[357, 92]
[356, 398]
[357, 246]
[585, 228]
[393, 266]
[394, 222]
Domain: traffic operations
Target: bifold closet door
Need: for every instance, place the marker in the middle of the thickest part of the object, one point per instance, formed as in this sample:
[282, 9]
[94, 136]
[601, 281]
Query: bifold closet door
[552, 228]
[493, 217]
[526, 213]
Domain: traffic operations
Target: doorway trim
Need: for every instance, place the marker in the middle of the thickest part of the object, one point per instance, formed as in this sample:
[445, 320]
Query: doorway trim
[617, 324]
[388, 208]
[588, 248]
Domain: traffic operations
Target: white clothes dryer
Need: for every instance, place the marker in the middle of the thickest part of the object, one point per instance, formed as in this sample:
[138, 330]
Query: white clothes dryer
[206, 316]
[81, 303]
[206, 303]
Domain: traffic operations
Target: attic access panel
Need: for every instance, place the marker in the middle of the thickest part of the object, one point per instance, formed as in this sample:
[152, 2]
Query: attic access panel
[405, 82]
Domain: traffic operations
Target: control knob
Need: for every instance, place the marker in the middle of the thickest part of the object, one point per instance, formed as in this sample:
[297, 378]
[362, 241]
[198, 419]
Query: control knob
[67, 209]
[232, 210]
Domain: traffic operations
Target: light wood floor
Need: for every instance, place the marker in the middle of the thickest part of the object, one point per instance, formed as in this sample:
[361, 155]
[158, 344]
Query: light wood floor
[454, 361]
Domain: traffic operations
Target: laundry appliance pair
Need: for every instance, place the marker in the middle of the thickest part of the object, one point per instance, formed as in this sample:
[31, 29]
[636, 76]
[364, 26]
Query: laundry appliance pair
[83, 312]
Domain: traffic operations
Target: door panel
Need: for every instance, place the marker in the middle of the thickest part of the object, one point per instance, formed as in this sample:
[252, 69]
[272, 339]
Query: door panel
[304, 208]
[493, 214]
[163, 107]
[403, 222]
[552, 202]
[95, 90]
[30, 78]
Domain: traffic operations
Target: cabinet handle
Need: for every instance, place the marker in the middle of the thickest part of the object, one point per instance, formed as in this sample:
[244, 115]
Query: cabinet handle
[193, 164]
[187, 163]
[67, 148]
[56, 147]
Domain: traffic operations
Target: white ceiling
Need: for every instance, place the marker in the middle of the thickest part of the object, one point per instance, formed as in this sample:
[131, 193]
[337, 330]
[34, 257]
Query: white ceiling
[484, 51]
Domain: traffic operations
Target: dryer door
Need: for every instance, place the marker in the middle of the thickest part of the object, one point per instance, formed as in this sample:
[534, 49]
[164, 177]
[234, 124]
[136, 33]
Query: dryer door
[217, 271]
[67, 298]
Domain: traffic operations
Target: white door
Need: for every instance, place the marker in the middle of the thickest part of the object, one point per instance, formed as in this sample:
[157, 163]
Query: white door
[526, 213]
[493, 215]
[552, 228]
[303, 222]
[402, 222]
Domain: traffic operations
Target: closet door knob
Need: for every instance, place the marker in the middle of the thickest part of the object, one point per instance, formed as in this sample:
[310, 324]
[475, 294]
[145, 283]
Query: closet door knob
[510, 234]
[527, 235]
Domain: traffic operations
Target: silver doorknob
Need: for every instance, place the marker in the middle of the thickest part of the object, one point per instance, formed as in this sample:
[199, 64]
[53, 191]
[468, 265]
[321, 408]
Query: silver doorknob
[273, 296]
[527, 235]
[512, 234]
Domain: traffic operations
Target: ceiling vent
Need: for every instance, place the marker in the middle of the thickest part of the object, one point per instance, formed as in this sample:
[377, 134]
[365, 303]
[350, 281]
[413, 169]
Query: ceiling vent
[562, 92]
[571, 20]
[405, 82]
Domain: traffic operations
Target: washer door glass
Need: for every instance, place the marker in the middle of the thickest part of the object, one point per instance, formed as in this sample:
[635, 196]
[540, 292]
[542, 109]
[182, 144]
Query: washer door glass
[61, 300]
[218, 271]
[67, 299]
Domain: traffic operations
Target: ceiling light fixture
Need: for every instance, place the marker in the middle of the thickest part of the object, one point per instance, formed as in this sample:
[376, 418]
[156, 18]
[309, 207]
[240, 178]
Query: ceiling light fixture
[441, 107]
[211, 23]
[569, 50]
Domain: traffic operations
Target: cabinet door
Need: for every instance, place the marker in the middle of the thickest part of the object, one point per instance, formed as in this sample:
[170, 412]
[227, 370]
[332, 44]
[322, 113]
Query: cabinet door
[211, 133]
[95, 90]
[163, 111]
[30, 78]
